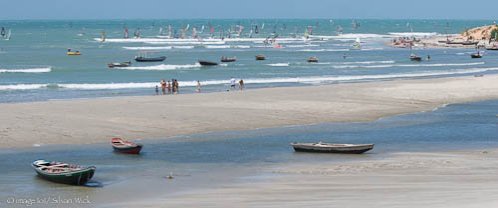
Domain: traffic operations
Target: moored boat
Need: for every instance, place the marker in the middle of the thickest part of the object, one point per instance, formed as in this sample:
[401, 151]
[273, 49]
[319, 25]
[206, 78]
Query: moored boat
[228, 59]
[476, 55]
[125, 147]
[150, 59]
[332, 148]
[73, 53]
[312, 59]
[207, 63]
[260, 57]
[122, 64]
[59, 172]
[414, 57]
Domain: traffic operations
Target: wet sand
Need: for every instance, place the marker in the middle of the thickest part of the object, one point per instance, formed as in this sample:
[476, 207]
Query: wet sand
[453, 179]
[149, 117]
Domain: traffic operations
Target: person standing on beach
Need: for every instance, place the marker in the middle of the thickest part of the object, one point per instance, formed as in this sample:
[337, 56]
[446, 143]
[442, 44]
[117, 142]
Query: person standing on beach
[173, 86]
[232, 83]
[168, 86]
[241, 84]
[198, 87]
[177, 87]
[163, 86]
[157, 90]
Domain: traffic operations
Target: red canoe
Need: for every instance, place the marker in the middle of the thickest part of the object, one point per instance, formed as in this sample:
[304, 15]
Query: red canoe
[125, 147]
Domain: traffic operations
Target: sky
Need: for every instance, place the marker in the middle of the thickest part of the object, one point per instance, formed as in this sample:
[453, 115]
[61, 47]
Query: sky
[250, 9]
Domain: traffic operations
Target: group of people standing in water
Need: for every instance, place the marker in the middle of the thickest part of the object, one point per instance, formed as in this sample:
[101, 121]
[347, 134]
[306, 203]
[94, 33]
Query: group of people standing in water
[172, 87]
[169, 87]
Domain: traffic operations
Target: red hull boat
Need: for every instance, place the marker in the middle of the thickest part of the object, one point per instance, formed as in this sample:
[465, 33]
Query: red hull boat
[125, 147]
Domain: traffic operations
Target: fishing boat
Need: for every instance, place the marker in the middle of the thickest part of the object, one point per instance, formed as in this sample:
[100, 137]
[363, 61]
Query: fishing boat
[117, 64]
[59, 172]
[332, 148]
[207, 63]
[122, 146]
[493, 47]
[144, 57]
[476, 55]
[73, 53]
[150, 59]
[312, 59]
[414, 57]
[260, 57]
[228, 59]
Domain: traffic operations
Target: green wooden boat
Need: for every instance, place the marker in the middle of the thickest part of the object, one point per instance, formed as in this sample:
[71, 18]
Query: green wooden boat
[63, 173]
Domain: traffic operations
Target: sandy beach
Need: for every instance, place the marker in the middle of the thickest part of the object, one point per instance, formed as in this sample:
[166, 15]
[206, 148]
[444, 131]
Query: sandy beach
[451, 179]
[148, 117]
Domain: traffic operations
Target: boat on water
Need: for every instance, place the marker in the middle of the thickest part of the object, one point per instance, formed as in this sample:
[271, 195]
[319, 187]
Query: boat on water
[414, 57]
[228, 59]
[65, 173]
[321, 147]
[150, 59]
[493, 47]
[117, 64]
[70, 52]
[312, 59]
[207, 63]
[144, 57]
[476, 55]
[260, 57]
[126, 147]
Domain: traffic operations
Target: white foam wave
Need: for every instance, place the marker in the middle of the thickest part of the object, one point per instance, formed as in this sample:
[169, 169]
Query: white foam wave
[29, 70]
[317, 79]
[162, 67]
[323, 50]
[405, 65]
[302, 46]
[149, 48]
[217, 46]
[279, 64]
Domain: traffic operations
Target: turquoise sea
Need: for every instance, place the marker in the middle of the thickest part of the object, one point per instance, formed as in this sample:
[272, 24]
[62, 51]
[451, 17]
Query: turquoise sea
[34, 65]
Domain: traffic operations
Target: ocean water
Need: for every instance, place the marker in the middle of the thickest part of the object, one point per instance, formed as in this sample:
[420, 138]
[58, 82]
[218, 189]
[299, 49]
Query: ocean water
[216, 159]
[34, 65]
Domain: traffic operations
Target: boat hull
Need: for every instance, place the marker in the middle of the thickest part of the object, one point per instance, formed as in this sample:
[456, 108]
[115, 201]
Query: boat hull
[144, 59]
[128, 150]
[207, 63]
[80, 177]
[357, 149]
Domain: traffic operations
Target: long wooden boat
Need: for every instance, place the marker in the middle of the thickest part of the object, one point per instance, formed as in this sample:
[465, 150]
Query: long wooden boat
[150, 59]
[332, 148]
[122, 64]
[207, 63]
[59, 172]
[313, 59]
[476, 55]
[228, 59]
[122, 146]
[260, 57]
[414, 57]
[73, 53]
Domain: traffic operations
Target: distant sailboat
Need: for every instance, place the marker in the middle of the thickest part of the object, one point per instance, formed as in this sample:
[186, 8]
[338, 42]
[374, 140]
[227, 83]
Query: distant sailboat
[102, 36]
[126, 34]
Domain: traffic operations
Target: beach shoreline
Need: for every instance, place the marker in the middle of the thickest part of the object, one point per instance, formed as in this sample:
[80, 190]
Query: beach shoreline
[445, 179]
[152, 117]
